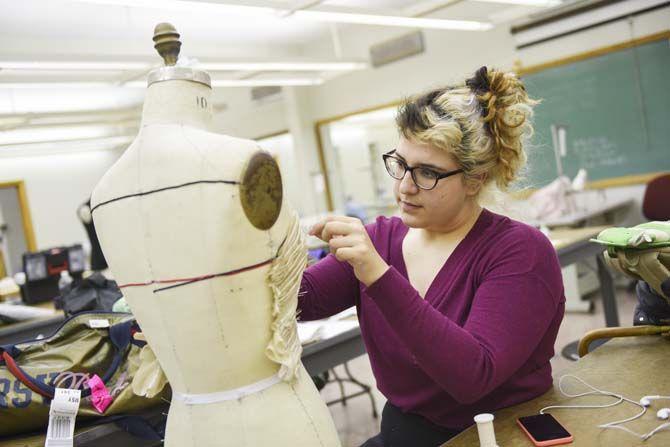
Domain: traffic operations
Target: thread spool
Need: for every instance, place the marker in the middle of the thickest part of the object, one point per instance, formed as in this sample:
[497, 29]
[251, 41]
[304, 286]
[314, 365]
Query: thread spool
[487, 436]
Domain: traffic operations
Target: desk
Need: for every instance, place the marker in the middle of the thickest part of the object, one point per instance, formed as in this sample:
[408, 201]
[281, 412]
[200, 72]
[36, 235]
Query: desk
[583, 216]
[30, 329]
[326, 354]
[573, 245]
[622, 365]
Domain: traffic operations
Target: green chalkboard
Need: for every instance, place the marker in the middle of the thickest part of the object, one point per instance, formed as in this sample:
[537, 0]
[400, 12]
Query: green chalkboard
[617, 111]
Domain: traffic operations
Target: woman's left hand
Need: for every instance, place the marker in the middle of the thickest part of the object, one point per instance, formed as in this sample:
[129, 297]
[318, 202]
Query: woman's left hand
[349, 241]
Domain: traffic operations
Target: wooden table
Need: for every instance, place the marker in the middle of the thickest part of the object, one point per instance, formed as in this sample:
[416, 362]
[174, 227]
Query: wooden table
[633, 367]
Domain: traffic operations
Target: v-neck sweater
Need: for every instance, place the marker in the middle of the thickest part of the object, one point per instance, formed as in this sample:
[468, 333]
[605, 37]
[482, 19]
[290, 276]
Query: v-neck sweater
[481, 339]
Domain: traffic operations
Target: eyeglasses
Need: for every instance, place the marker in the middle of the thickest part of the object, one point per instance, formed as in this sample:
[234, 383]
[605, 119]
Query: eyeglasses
[424, 178]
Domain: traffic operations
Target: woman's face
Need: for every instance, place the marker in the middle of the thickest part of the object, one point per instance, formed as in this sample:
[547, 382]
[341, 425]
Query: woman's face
[440, 207]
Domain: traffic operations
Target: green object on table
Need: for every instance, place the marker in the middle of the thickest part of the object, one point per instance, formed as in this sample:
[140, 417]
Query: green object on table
[641, 252]
[642, 237]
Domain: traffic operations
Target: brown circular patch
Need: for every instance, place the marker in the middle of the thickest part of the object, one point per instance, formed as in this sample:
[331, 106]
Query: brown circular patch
[261, 191]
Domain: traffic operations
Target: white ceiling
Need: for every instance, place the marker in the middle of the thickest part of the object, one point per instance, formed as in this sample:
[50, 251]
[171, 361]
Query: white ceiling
[98, 30]
[59, 29]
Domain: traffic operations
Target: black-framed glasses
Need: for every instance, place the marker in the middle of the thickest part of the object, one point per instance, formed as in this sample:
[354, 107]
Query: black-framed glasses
[424, 177]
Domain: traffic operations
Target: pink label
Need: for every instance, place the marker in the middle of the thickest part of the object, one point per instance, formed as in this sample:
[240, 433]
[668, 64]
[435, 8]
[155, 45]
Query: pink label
[100, 397]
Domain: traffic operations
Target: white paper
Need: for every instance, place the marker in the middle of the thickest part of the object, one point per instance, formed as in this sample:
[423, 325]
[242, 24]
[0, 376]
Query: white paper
[312, 331]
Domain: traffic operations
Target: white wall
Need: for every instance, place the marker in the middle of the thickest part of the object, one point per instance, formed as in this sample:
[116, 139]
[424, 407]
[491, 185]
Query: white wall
[452, 56]
[282, 148]
[245, 118]
[449, 57]
[56, 185]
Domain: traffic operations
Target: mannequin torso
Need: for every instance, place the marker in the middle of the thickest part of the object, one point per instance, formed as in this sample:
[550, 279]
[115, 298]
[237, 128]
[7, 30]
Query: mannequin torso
[168, 213]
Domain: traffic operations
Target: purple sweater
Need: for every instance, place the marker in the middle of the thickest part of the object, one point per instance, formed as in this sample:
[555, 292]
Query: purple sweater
[481, 339]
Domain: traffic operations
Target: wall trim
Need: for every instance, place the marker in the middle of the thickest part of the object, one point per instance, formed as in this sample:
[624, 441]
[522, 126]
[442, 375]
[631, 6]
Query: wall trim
[523, 71]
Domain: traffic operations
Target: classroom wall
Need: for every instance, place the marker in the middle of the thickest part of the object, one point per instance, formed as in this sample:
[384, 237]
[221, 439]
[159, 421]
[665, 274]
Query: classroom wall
[447, 60]
[245, 118]
[448, 57]
[56, 185]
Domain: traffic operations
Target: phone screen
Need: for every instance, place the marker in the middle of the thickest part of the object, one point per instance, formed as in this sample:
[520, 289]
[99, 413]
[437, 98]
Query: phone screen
[543, 427]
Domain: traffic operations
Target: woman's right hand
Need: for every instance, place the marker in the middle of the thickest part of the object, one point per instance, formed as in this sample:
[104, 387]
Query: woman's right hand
[349, 241]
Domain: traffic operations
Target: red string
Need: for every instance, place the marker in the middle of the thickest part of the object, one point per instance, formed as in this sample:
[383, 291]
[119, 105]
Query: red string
[16, 372]
[196, 278]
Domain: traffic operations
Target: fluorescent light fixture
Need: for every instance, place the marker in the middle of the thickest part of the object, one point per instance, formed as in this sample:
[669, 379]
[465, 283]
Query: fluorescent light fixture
[265, 82]
[314, 15]
[73, 66]
[248, 82]
[211, 66]
[539, 3]
[142, 84]
[57, 85]
[387, 20]
[281, 66]
[190, 6]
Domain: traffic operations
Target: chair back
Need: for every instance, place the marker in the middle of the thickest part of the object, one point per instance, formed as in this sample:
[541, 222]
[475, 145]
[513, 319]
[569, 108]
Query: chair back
[656, 202]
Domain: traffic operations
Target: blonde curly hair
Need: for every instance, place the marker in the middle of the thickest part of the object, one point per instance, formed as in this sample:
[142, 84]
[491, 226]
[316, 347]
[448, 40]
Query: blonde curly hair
[483, 124]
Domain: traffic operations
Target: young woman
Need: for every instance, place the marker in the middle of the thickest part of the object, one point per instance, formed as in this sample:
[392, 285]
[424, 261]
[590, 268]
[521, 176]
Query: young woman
[459, 307]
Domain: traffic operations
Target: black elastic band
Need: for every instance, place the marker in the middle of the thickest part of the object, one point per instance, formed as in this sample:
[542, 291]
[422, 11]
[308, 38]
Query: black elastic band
[139, 194]
[479, 84]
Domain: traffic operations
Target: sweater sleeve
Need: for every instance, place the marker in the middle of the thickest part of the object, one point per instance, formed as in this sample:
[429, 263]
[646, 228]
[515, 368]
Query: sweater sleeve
[330, 286]
[511, 310]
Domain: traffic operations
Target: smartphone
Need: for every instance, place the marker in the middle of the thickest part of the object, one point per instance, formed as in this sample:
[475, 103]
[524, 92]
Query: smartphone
[544, 430]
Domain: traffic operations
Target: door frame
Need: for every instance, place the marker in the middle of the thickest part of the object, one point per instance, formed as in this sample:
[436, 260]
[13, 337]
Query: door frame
[26, 218]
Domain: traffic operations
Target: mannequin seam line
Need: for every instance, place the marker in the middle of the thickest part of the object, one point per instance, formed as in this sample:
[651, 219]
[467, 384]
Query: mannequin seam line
[306, 413]
[153, 191]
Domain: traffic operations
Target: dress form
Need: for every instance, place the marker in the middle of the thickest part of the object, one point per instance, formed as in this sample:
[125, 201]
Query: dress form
[194, 229]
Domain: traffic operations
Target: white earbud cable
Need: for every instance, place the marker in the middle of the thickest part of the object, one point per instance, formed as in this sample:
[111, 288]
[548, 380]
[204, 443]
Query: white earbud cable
[620, 399]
